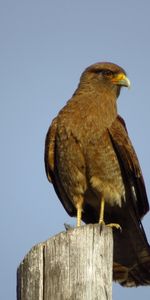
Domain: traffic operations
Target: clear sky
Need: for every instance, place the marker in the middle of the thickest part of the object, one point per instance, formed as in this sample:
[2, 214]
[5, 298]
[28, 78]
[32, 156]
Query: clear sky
[44, 47]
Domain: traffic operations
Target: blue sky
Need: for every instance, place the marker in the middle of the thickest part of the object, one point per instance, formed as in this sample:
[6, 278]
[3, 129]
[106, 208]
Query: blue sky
[44, 47]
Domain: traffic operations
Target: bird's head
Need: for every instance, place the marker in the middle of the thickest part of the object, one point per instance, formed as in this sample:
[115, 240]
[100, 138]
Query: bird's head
[105, 75]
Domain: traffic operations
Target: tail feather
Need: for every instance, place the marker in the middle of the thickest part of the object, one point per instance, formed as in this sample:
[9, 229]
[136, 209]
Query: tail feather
[131, 265]
[131, 253]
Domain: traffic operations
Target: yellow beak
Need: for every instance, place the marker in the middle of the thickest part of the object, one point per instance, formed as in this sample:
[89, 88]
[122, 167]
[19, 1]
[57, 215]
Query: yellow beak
[121, 79]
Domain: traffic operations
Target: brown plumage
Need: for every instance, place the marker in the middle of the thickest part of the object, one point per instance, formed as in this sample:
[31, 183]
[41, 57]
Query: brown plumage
[91, 162]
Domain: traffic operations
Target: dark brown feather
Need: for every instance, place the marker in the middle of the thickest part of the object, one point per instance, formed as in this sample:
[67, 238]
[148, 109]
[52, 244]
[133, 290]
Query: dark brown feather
[51, 168]
[129, 164]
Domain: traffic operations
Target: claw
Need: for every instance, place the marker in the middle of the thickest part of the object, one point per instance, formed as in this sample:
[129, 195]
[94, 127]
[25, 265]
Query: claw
[114, 225]
[101, 222]
[101, 219]
[68, 226]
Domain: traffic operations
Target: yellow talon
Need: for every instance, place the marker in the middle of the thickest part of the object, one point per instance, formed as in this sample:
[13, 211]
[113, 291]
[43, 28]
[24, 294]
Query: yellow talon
[114, 225]
[101, 222]
[101, 218]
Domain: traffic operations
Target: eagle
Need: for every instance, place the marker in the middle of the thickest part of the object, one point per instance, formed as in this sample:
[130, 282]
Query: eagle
[91, 162]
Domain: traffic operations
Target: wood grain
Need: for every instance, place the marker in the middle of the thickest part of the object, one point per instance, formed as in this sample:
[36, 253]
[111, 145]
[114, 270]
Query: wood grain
[76, 265]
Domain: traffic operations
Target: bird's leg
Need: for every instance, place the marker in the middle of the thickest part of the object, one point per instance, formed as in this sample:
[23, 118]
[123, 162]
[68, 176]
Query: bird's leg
[101, 218]
[79, 205]
[79, 216]
[78, 200]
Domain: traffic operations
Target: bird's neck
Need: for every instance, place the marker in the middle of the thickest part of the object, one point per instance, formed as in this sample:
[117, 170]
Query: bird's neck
[98, 105]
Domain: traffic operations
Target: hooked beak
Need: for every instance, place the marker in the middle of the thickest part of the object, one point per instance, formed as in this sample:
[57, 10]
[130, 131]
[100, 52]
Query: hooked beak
[121, 79]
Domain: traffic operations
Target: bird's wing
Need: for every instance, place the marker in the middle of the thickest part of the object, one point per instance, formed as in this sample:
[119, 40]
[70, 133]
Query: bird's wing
[129, 164]
[51, 168]
[131, 248]
[49, 157]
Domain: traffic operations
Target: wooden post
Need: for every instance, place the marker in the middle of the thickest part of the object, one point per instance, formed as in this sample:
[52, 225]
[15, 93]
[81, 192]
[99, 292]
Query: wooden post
[73, 265]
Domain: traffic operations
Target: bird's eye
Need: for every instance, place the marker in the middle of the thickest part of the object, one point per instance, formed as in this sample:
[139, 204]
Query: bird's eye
[107, 73]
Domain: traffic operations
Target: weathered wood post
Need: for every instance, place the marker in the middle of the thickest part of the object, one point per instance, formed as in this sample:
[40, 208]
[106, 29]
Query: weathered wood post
[75, 265]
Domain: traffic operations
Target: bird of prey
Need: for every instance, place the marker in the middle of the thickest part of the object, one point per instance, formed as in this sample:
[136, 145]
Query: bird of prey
[92, 164]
